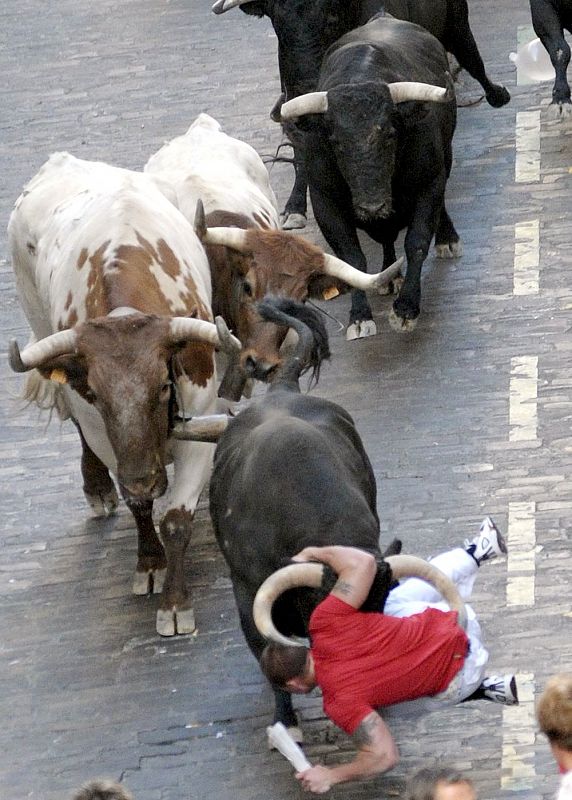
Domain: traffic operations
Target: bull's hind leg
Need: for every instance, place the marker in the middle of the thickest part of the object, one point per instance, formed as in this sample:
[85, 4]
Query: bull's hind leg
[460, 41]
[447, 241]
[151, 561]
[98, 486]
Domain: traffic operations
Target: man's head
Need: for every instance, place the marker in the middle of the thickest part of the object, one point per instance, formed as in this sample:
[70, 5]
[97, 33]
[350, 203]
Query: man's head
[288, 667]
[441, 783]
[554, 714]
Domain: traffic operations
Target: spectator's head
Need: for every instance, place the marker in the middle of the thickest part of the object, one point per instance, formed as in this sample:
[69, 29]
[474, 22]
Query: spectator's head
[439, 783]
[288, 667]
[102, 790]
[554, 714]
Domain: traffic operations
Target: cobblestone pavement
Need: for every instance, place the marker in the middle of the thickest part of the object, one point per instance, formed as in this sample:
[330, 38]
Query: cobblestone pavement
[469, 414]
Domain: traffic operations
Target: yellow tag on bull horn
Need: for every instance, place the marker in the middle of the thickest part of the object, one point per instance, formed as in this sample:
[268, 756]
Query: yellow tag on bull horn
[330, 293]
[59, 376]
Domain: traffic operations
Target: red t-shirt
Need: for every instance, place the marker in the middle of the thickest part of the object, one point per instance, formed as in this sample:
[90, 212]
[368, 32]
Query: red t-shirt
[366, 660]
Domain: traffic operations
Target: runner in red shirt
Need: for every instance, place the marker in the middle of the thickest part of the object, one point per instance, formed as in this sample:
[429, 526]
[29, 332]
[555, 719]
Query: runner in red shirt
[362, 661]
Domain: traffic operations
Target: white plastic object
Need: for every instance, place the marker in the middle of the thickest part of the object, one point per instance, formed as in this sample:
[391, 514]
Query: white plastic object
[279, 738]
[533, 62]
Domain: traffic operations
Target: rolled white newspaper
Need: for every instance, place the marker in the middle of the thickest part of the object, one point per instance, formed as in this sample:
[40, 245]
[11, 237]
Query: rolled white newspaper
[282, 741]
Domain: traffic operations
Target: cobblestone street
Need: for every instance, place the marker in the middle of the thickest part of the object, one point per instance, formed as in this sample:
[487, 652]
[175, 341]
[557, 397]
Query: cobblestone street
[469, 414]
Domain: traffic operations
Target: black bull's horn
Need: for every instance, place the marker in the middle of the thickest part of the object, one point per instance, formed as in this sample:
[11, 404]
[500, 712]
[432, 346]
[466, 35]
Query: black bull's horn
[311, 574]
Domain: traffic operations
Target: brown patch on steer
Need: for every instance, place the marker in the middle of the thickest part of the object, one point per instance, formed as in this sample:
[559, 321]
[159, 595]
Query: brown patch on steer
[82, 258]
[125, 278]
[97, 297]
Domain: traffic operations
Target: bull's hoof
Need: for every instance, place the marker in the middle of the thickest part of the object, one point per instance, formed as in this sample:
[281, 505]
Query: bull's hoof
[173, 622]
[449, 249]
[149, 581]
[401, 324]
[559, 111]
[498, 96]
[361, 329]
[292, 222]
[295, 734]
[103, 504]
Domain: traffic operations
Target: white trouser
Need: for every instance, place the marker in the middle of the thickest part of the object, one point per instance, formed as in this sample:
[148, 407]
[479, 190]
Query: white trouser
[414, 595]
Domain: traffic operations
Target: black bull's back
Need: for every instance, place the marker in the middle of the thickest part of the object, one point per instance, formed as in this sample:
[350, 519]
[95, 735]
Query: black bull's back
[289, 472]
[385, 50]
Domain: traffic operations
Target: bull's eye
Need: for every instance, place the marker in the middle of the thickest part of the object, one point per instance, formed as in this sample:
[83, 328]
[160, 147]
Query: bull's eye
[247, 288]
[90, 396]
[165, 392]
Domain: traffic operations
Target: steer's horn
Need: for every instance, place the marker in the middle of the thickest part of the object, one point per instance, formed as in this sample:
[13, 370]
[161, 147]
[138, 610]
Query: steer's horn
[58, 344]
[188, 328]
[355, 277]
[311, 573]
[236, 238]
[201, 429]
[311, 103]
[225, 5]
[402, 91]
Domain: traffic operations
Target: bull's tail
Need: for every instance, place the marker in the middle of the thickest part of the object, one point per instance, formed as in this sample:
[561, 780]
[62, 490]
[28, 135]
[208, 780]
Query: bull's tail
[312, 346]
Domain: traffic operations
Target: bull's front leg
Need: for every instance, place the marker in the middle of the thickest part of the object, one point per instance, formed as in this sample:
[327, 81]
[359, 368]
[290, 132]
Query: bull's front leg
[294, 215]
[283, 708]
[151, 561]
[335, 216]
[407, 305]
[98, 486]
[193, 464]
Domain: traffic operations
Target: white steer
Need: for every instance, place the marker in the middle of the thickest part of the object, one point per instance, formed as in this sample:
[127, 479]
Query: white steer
[116, 287]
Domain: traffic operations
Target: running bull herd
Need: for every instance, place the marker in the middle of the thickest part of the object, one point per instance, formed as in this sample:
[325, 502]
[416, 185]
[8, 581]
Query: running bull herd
[121, 274]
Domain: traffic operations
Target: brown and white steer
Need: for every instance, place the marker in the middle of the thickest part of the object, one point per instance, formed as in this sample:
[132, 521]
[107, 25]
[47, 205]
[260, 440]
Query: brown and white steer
[116, 287]
[249, 255]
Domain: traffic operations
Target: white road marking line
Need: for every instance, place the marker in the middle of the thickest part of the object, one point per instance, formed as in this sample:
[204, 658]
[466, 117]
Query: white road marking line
[519, 725]
[526, 257]
[521, 561]
[523, 398]
[527, 160]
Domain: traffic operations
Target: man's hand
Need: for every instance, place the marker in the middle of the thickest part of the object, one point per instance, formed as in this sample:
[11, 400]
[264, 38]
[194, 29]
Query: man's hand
[317, 779]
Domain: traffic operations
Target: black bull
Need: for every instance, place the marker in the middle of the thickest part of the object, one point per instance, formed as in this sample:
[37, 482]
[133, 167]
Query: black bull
[306, 29]
[291, 471]
[378, 163]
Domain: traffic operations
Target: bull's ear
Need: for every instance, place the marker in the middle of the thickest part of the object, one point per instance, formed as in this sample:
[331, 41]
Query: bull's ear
[324, 287]
[69, 369]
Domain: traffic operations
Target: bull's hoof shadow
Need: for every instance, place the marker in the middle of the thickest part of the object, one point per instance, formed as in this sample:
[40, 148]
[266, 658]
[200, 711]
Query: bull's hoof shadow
[401, 324]
[149, 581]
[174, 621]
[292, 222]
[295, 733]
[449, 249]
[498, 97]
[559, 111]
[103, 503]
[361, 329]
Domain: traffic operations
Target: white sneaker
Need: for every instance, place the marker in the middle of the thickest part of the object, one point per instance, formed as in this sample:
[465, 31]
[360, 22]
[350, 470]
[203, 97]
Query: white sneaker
[489, 543]
[500, 689]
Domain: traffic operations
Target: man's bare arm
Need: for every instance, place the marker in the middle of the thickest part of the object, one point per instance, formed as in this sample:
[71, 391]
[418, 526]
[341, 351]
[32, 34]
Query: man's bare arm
[355, 570]
[377, 752]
